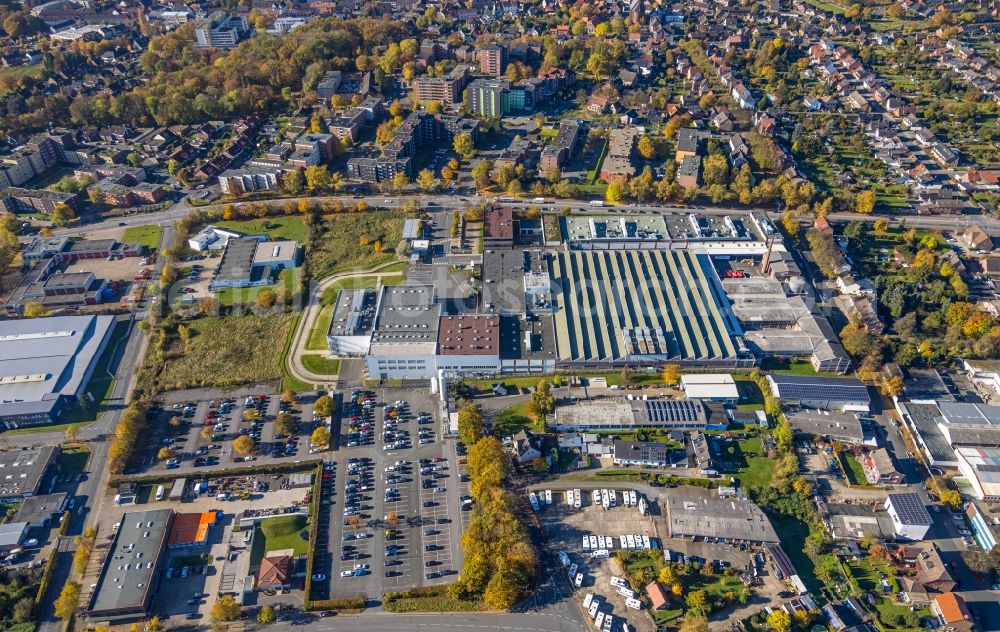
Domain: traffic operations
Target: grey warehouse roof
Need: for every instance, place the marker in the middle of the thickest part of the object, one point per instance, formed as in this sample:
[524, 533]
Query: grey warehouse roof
[43, 358]
[21, 471]
[700, 512]
[131, 563]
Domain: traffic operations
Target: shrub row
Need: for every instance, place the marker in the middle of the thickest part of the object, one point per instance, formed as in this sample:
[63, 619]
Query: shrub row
[350, 603]
[275, 468]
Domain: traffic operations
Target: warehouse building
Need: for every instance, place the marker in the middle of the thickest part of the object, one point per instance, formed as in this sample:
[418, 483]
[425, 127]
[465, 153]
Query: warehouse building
[923, 420]
[254, 262]
[694, 512]
[713, 387]
[621, 414]
[46, 364]
[352, 321]
[661, 300]
[845, 427]
[981, 467]
[22, 471]
[827, 393]
[130, 575]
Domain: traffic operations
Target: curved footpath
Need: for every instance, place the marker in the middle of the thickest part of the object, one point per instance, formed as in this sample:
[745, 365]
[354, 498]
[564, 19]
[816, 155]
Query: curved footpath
[311, 313]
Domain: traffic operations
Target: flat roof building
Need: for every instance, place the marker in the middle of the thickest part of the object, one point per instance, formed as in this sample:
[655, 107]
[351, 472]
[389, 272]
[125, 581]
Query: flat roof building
[130, 575]
[829, 393]
[844, 427]
[622, 414]
[468, 344]
[641, 453]
[923, 419]
[40, 511]
[909, 515]
[352, 322]
[46, 364]
[716, 387]
[701, 513]
[981, 467]
[405, 333]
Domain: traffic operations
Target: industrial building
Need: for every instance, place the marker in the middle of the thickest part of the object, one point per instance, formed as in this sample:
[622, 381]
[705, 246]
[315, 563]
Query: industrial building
[351, 325]
[981, 467]
[220, 30]
[910, 517]
[622, 414]
[22, 471]
[844, 427]
[694, 512]
[253, 262]
[46, 364]
[130, 575]
[713, 387]
[827, 393]
[405, 333]
[641, 307]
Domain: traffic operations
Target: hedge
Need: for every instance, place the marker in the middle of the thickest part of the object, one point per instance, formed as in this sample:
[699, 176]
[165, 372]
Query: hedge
[43, 584]
[350, 603]
[67, 518]
[314, 508]
[275, 468]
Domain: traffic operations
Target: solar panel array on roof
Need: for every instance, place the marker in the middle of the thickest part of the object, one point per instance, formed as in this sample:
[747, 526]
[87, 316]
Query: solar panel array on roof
[668, 410]
[803, 387]
[910, 509]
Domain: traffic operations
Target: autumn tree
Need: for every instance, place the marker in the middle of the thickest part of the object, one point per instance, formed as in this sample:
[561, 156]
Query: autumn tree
[69, 600]
[323, 406]
[284, 423]
[320, 437]
[243, 445]
[470, 424]
[266, 299]
[165, 453]
[34, 309]
[426, 180]
[266, 615]
[671, 374]
[225, 609]
[864, 202]
[464, 145]
[692, 623]
[779, 621]
[293, 182]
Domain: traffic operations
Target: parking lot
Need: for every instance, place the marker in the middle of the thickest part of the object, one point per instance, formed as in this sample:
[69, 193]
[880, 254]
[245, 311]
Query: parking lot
[565, 527]
[201, 431]
[394, 517]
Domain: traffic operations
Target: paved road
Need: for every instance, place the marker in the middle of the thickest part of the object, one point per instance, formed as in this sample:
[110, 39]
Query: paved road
[301, 340]
[450, 202]
[375, 622]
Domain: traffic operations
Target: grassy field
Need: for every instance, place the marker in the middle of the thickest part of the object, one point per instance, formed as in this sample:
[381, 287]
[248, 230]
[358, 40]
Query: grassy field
[852, 469]
[235, 295]
[350, 241]
[290, 227]
[317, 337]
[289, 381]
[430, 599]
[320, 365]
[512, 419]
[756, 469]
[866, 573]
[148, 236]
[35, 71]
[229, 351]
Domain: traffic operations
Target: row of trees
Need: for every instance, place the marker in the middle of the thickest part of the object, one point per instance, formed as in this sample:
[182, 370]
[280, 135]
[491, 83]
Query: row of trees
[129, 432]
[500, 562]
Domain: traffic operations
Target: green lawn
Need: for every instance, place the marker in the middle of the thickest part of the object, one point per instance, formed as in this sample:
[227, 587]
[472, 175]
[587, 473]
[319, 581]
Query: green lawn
[852, 469]
[317, 337]
[35, 71]
[512, 419]
[148, 236]
[228, 351]
[72, 460]
[288, 227]
[786, 367]
[756, 469]
[866, 573]
[289, 381]
[277, 534]
[235, 295]
[320, 365]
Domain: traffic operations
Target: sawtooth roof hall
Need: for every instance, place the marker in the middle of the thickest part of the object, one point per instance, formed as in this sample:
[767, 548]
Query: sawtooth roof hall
[637, 305]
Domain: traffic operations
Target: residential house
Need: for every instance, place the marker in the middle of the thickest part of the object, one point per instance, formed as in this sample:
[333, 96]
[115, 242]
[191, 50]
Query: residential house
[880, 470]
[275, 572]
[951, 612]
